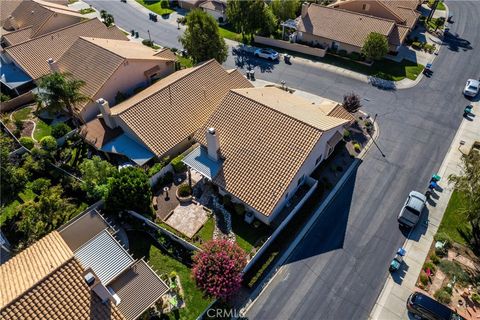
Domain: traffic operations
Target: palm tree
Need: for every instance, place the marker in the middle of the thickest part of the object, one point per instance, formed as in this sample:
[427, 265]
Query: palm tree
[468, 183]
[59, 92]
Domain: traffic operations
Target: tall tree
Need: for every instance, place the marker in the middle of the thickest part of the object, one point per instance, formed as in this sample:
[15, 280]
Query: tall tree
[96, 173]
[250, 16]
[129, 190]
[468, 183]
[59, 92]
[218, 268]
[375, 46]
[202, 38]
[285, 9]
[12, 178]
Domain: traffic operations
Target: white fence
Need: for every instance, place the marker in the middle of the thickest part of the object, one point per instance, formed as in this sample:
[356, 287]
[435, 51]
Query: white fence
[296, 47]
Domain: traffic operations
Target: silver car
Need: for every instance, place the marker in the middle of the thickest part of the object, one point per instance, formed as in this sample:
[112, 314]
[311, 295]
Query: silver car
[412, 210]
[269, 54]
[471, 88]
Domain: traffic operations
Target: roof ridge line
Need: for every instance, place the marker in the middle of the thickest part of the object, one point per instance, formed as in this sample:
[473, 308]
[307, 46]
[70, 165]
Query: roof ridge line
[194, 68]
[390, 10]
[355, 13]
[263, 104]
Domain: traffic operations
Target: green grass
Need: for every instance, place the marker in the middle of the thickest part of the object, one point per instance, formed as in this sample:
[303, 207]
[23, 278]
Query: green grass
[42, 130]
[87, 10]
[22, 114]
[454, 223]
[225, 32]
[159, 7]
[141, 246]
[247, 235]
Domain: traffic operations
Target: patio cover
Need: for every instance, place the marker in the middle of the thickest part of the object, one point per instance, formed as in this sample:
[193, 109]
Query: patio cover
[107, 258]
[128, 147]
[12, 76]
[199, 161]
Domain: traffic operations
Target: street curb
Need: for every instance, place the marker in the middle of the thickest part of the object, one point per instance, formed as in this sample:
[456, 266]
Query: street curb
[306, 228]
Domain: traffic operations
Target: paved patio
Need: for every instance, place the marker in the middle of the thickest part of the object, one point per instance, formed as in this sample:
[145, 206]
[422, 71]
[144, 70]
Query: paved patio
[187, 219]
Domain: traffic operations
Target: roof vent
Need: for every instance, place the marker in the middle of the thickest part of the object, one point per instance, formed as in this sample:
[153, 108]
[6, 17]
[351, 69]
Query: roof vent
[89, 279]
[32, 12]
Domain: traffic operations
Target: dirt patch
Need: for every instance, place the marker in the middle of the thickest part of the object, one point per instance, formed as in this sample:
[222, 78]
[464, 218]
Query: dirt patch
[27, 129]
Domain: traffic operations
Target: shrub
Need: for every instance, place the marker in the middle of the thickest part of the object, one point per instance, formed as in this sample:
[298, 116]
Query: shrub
[429, 265]
[27, 142]
[239, 209]
[4, 97]
[435, 259]
[168, 177]
[454, 269]
[346, 134]
[444, 238]
[357, 147]
[18, 124]
[60, 129]
[39, 185]
[155, 168]
[177, 164]
[148, 43]
[342, 53]
[442, 296]
[217, 269]
[184, 190]
[351, 102]
[354, 56]
[416, 45]
[476, 297]
[173, 274]
[423, 278]
[48, 143]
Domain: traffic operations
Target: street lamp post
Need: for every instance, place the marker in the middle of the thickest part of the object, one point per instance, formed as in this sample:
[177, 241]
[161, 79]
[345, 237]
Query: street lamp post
[373, 140]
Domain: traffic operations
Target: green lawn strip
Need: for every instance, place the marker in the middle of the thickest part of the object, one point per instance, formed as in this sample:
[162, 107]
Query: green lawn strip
[185, 62]
[229, 34]
[246, 234]
[156, 6]
[22, 114]
[454, 222]
[42, 129]
[141, 246]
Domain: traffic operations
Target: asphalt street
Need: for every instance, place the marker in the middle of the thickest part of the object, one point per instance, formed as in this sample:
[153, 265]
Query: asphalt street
[338, 270]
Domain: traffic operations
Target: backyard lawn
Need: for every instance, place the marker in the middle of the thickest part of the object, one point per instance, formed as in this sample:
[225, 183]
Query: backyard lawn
[454, 223]
[247, 235]
[160, 7]
[227, 33]
[194, 300]
[22, 114]
[42, 129]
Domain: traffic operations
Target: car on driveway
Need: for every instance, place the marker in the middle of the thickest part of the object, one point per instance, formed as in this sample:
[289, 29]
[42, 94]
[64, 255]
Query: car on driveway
[424, 307]
[471, 88]
[269, 54]
[412, 209]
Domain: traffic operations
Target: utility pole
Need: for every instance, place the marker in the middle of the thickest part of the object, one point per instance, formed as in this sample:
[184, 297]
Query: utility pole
[149, 38]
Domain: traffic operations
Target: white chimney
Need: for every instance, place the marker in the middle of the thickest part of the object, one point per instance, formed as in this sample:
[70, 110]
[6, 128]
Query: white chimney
[104, 108]
[53, 65]
[213, 144]
[305, 9]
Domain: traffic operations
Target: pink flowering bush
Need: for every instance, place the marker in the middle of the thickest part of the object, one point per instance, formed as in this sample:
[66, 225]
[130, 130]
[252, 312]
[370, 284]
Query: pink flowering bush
[218, 268]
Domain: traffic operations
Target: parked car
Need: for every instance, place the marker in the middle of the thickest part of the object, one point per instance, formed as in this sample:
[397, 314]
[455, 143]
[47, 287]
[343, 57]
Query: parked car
[269, 54]
[425, 307]
[471, 88]
[412, 209]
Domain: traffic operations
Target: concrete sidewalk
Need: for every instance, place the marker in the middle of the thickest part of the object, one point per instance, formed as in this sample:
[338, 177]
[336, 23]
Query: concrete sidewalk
[391, 304]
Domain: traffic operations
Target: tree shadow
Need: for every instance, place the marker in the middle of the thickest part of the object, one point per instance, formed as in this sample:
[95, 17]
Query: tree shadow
[454, 42]
[420, 229]
[246, 60]
[400, 274]
[382, 84]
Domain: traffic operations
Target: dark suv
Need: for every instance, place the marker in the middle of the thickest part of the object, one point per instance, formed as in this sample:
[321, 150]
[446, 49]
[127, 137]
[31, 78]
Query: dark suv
[427, 308]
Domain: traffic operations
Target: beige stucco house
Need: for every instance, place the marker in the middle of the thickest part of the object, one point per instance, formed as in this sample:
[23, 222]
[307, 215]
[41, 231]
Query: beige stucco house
[339, 29]
[215, 8]
[110, 68]
[33, 18]
[162, 119]
[261, 145]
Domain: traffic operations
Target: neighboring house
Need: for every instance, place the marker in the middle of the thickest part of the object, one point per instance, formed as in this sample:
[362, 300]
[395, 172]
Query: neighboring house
[339, 29]
[262, 144]
[8, 6]
[161, 120]
[189, 4]
[110, 68]
[24, 63]
[33, 18]
[216, 8]
[78, 272]
[403, 12]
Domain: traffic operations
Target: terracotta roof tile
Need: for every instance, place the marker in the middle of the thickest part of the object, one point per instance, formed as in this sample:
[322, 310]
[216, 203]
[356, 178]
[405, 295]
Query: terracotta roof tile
[63, 294]
[31, 265]
[32, 55]
[262, 143]
[18, 36]
[172, 109]
[342, 26]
